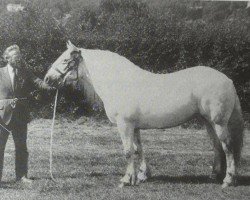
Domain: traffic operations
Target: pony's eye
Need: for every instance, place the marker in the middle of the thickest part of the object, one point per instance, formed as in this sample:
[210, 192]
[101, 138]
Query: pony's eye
[72, 63]
[65, 61]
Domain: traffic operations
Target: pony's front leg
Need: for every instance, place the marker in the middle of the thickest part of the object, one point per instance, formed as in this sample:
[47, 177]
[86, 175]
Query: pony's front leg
[126, 130]
[144, 171]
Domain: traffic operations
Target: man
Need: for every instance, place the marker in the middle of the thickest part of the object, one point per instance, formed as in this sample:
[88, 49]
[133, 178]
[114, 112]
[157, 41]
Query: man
[16, 82]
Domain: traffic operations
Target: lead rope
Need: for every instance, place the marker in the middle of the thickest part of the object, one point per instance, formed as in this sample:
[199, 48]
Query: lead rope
[51, 139]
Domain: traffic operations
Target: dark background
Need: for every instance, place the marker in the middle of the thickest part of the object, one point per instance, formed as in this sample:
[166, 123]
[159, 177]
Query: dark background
[157, 35]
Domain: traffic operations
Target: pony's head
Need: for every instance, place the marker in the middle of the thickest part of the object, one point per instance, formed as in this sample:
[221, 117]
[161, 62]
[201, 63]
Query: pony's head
[65, 69]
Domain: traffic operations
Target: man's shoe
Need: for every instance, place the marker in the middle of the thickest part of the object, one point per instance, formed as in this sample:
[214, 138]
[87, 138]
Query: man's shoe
[24, 180]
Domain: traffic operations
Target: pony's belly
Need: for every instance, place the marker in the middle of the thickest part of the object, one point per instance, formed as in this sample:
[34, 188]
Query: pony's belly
[165, 119]
[158, 123]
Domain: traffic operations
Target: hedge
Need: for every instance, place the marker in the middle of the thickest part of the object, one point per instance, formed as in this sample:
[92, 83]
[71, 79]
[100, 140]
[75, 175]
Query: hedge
[163, 37]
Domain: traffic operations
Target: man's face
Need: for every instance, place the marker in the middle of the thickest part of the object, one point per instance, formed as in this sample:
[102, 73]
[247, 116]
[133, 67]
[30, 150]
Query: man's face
[14, 58]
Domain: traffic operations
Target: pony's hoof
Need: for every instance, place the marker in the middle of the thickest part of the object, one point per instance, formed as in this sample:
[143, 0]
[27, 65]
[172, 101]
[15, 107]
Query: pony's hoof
[125, 179]
[128, 180]
[229, 181]
[225, 185]
[121, 185]
[141, 178]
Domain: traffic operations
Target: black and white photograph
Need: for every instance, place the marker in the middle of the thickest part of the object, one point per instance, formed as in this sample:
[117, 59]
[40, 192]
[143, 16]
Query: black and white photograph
[124, 99]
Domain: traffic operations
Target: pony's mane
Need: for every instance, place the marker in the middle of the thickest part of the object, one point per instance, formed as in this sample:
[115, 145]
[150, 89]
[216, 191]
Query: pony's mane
[110, 64]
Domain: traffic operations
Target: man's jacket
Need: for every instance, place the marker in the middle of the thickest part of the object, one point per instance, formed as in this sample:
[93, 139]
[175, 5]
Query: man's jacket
[25, 81]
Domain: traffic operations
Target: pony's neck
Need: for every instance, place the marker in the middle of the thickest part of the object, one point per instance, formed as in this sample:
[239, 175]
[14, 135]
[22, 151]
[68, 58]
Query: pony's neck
[90, 78]
[110, 72]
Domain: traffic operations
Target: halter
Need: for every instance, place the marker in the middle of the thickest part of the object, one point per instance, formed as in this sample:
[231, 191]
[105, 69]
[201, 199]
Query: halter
[69, 67]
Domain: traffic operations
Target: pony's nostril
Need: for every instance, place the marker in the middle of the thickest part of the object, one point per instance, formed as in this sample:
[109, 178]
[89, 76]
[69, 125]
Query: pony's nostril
[46, 79]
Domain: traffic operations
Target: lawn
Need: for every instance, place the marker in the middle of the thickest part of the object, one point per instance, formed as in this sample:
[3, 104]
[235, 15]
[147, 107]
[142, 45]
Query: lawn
[88, 163]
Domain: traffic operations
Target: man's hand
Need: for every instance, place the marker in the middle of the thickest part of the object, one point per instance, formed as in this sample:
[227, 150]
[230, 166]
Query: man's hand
[45, 86]
[13, 102]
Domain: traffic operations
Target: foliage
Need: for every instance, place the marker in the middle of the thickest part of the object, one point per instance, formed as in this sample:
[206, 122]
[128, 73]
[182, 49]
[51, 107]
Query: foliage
[160, 36]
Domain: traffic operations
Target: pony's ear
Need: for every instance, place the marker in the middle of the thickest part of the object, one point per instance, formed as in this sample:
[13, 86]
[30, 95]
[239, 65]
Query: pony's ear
[70, 45]
[80, 58]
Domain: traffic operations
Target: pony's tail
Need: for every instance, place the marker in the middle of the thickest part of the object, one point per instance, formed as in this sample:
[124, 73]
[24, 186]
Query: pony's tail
[236, 129]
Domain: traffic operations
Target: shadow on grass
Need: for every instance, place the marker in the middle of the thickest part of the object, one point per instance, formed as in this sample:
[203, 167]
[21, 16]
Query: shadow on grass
[7, 184]
[242, 180]
[98, 174]
[192, 179]
[77, 175]
[182, 179]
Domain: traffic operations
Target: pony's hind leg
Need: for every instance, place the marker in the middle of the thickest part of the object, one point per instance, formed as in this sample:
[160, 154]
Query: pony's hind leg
[126, 130]
[219, 162]
[144, 171]
[226, 142]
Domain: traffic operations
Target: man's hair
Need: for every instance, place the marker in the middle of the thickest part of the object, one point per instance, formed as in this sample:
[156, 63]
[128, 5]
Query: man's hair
[9, 49]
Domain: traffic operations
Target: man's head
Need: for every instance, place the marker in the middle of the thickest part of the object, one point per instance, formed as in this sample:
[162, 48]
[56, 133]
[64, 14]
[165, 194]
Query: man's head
[13, 56]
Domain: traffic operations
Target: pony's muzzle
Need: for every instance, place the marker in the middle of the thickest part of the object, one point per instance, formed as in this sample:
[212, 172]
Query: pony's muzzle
[54, 80]
[50, 80]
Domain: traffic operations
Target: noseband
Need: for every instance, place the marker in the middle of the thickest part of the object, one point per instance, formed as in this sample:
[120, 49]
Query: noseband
[72, 63]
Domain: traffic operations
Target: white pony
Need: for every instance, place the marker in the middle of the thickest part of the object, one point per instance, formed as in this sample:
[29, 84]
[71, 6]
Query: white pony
[136, 99]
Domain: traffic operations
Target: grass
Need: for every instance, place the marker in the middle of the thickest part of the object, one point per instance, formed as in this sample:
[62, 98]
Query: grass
[88, 163]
